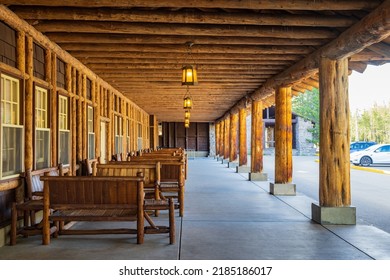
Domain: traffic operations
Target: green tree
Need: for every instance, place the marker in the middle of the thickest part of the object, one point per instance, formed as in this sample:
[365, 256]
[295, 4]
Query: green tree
[307, 105]
[372, 124]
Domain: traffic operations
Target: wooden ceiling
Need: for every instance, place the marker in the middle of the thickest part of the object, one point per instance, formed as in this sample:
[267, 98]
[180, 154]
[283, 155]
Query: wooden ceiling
[239, 47]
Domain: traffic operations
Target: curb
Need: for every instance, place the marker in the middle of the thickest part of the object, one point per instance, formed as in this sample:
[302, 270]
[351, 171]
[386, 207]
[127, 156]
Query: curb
[366, 169]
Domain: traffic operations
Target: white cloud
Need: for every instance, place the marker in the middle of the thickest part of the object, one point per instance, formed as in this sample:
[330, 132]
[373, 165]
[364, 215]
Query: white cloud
[373, 86]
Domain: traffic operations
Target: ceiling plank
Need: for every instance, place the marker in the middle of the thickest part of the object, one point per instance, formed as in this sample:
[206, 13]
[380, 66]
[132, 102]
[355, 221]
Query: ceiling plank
[184, 29]
[102, 38]
[183, 17]
[220, 4]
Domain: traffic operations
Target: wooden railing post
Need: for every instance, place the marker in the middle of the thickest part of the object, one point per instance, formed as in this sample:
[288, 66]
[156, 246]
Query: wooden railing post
[335, 187]
[256, 173]
[283, 144]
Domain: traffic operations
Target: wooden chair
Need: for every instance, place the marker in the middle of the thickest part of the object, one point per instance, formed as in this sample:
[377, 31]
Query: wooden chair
[32, 203]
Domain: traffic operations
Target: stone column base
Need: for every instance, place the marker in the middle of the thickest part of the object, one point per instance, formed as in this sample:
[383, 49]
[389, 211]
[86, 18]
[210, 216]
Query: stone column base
[258, 176]
[243, 169]
[333, 215]
[282, 189]
[232, 164]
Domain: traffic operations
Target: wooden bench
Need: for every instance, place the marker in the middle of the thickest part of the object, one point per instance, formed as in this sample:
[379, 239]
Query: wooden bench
[101, 198]
[33, 203]
[172, 177]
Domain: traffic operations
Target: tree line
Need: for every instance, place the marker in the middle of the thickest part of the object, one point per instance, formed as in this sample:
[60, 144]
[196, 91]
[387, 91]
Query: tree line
[366, 125]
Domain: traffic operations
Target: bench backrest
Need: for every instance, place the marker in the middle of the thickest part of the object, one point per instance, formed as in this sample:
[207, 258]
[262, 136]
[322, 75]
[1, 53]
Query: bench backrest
[169, 168]
[34, 186]
[150, 171]
[93, 192]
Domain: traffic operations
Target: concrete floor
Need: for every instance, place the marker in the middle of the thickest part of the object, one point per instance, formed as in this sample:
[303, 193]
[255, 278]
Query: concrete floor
[227, 217]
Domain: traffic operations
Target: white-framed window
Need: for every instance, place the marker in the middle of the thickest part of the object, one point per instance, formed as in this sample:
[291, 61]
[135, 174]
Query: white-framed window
[140, 140]
[63, 130]
[42, 129]
[91, 134]
[118, 135]
[12, 145]
[128, 134]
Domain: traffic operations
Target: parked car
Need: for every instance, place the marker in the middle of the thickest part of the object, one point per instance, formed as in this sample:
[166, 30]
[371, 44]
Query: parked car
[375, 154]
[360, 145]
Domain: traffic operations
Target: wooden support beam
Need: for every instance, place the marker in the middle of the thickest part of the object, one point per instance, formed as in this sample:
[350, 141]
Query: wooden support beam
[181, 29]
[79, 117]
[181, 17]
[138, 54]
[217, 128]
[334, 134]
[226, 145]
[29, 109]
[257, 137]
[243, 152]
[222, 139]
[209, 49]
[21, 51]
[52, 68]
[84, 123]
[140, 39]
[342, 5]
[233, 137]
[283, 136]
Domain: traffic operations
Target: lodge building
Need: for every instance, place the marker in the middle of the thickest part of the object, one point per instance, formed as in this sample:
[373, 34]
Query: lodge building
[62, 101]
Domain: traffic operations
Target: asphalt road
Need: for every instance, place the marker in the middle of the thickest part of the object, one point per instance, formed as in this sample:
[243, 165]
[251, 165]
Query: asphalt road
[370, 191]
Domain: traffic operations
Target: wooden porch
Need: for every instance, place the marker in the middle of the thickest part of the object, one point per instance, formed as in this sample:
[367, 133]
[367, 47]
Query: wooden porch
[94, 80]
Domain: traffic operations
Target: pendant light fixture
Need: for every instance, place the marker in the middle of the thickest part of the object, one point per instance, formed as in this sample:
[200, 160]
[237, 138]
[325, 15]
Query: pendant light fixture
[189, 72]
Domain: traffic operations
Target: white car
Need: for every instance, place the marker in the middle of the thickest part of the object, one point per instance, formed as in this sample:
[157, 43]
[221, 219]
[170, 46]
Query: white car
[376, 154]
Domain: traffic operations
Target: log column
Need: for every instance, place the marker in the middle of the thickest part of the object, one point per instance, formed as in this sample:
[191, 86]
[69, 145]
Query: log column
[226, 140]
[28, 99]
[221, 140]
[243, 152]
[233, 156]
[217, 126]
[256, 173]
[283, 144]
[335, 189]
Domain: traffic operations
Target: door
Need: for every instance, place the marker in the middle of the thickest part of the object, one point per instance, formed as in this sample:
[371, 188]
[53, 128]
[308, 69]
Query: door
[103, 142]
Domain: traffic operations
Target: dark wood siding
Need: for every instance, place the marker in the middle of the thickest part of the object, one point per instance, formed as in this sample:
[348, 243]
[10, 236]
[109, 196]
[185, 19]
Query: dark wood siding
[6, 199]
[195, 137]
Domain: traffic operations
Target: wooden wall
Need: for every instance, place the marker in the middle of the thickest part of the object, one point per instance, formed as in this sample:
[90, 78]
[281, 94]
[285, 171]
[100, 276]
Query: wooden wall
[34, 61]
[196, 137]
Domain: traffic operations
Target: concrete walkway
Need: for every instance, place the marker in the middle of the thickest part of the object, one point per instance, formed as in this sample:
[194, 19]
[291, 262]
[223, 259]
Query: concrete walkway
[227, 217]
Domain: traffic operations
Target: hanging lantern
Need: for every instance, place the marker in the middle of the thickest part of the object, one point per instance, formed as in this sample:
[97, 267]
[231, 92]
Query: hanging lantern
[187, 114]
[190, 77]
[187, 103]
[186, 123]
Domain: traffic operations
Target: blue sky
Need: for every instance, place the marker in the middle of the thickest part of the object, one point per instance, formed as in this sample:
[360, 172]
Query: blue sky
[370, 87]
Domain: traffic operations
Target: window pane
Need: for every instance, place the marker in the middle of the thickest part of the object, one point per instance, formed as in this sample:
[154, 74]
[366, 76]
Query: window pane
[12, 157]
[42, 148]
[91, 145]
[64, 147]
